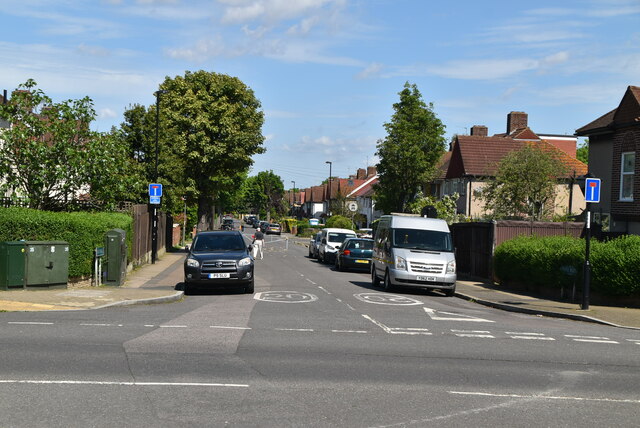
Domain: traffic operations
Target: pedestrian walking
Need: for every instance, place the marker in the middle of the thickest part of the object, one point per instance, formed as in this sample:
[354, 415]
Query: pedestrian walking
[258, 242]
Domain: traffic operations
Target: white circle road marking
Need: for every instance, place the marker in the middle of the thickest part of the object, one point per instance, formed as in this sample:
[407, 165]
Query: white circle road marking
[387, 299]
[285, 297]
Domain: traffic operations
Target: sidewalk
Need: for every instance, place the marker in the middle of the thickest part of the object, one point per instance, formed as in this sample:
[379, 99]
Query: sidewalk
[491, 295]
[147, 284]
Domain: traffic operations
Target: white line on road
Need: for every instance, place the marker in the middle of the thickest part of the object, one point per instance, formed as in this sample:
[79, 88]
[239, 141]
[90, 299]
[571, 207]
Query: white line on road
[546, 397]
[473, 333]
[636, 341]
[310, 281]
[294, 329]
[528, 336]
[453, 317]
[321, 288]
[172, 326]
[97, 325]
[230, 327]
[91, 382]
[399, 330]
[29, 323]
[350, 307]
[349, 331]
[590, 339]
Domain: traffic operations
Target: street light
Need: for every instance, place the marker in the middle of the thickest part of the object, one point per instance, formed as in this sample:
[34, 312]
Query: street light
[330, 188]
[154, 229]
[294, 191]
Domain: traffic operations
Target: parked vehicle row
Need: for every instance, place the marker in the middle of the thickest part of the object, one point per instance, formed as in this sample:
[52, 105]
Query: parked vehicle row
[406, 250]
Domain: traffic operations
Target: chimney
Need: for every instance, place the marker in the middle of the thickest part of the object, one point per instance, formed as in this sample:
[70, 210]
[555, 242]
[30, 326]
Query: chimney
[361, 174]
[479, 131]
[516, 120]
[371, 171]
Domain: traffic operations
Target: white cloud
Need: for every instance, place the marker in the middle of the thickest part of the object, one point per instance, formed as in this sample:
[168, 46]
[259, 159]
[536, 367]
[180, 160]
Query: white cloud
[372, 70]
[107, 113]
[485, 69]
[272, 11]
[337, 148]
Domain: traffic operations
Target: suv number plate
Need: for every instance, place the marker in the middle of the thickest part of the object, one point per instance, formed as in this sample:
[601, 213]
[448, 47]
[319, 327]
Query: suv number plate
[219, 275]
[426, 278]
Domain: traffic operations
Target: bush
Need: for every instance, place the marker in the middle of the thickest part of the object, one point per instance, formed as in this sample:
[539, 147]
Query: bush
[542, 261]
[83, 232]
[339, 221]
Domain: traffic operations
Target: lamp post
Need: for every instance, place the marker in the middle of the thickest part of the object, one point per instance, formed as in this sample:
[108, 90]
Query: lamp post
[154, 228]
[330, 188]
[294, 192]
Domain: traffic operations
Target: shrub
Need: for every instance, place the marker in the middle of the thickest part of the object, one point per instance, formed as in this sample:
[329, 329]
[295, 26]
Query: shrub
[339, 221]
[540, 261]
[83, 232]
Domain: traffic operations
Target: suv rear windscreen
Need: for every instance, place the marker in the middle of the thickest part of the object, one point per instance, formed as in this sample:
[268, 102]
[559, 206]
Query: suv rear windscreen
[339, 237]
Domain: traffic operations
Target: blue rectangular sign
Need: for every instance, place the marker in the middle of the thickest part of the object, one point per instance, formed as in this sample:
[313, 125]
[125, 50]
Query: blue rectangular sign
[592, 190]
[154, 200]
[155, 189]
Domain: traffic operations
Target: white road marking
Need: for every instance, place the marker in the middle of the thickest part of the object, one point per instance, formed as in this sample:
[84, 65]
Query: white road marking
[285, 297]
[29, 323]
[230, 327]
[149, 325]
[528, 336]
[636, 341]
[350, 307]
[390, 330]
[453, 316]
[590, 339]
[349, 331]
[91, 382]
[473, 333]
[321, 288]
[98, 325]
[387, 299]
[172, 326]
[294, 329]
[310, 281]
[546, 397]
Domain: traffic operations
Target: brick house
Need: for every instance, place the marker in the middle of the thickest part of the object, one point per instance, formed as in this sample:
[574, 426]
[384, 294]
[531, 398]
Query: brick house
[474, 158]
[614, 143]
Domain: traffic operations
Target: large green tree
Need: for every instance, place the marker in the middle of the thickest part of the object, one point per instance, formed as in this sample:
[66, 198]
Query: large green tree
[50, 155]
[263, 194]
[409, 153]
[525, 184]
[214, 127]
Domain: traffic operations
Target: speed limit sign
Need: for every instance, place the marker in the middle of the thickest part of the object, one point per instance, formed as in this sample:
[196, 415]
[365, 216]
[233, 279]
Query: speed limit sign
[353, 206]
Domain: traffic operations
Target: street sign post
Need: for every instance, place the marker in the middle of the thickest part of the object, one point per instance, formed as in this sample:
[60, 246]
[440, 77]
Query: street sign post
[591, 196]
[155, 197]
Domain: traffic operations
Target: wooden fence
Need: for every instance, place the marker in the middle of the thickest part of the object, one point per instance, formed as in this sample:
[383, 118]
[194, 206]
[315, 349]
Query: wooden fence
[475, 242]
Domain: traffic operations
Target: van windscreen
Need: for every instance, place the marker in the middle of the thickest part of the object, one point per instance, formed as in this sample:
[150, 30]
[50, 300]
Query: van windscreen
[418, 239]
[339, 236]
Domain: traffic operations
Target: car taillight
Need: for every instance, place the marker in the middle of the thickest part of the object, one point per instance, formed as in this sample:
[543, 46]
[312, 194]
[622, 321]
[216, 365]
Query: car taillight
[346, 252]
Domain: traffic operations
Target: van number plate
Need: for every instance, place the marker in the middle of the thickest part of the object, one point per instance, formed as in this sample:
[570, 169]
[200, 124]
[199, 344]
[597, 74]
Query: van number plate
[426, 278]
[219, 275]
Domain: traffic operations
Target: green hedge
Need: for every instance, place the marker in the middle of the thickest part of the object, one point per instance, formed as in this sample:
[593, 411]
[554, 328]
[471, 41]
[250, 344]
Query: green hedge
[340, 222]
[615, 264]
[83, 232]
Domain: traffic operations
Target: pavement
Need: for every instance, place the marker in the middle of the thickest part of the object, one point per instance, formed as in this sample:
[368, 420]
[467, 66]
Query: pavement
[147, 285]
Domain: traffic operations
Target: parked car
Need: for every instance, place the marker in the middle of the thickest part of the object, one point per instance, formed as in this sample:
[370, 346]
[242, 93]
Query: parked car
[263, 226]
[273, 229]
[314, 243]
[330, 240]
[256, 222]
[414, 251]
[354, 253]
[217, 259]
[365, 233]
[249, 219]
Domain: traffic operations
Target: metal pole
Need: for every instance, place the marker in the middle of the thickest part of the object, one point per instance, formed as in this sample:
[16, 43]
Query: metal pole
[587, 266]
[154, 226]
[330, 188]
[184, 222]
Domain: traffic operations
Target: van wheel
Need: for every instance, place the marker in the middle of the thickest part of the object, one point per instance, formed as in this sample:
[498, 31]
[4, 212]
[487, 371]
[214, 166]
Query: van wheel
[375, 281]
[387, 282]
[451, 292]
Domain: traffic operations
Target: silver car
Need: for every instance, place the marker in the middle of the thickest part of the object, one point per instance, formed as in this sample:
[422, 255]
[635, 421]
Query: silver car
[314, 243]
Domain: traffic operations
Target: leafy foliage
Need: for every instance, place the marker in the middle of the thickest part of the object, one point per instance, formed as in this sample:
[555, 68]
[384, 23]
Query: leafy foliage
[542, 262]
[445, 207]
[582, 153]
[263, 193]
[409, 153]
[524, 184]
[83, 232]
[340, 222]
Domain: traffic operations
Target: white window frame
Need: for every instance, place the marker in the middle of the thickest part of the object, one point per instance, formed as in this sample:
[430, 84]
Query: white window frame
[626, 174]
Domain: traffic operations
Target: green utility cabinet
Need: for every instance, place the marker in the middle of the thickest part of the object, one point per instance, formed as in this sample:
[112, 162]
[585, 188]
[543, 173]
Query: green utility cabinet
[47, 263]
[115, 247]
[12, 264]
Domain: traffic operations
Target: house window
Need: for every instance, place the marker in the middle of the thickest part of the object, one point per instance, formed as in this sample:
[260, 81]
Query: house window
[626, 176]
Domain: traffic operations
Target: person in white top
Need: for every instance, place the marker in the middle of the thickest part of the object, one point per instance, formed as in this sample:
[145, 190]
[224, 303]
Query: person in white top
[258, 242]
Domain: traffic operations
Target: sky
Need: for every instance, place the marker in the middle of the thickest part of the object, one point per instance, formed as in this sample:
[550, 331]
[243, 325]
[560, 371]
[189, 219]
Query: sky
[327, 72]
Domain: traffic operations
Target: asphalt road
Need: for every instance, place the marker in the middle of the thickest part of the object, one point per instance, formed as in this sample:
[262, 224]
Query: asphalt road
[313, 347]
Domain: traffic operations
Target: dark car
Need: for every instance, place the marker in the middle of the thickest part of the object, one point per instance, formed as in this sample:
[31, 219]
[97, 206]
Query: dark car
[273, 229]
[217, 259]
[250, 219]
[355, 253]
[227, 224]
[256, 222]
[263, 226]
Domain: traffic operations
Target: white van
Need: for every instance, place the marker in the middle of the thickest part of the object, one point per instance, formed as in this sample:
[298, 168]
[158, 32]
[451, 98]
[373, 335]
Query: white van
[413, 251]
[330, 239]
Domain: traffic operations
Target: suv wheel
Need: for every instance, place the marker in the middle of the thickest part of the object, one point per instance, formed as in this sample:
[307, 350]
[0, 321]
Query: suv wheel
[249, 288]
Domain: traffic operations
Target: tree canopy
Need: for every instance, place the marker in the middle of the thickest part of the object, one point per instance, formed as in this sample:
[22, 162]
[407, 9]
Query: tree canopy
[524, 184]
[263, 194]
[410, 151]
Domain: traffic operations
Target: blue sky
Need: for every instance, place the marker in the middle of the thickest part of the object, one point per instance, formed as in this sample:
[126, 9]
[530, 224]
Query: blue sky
[327, 72]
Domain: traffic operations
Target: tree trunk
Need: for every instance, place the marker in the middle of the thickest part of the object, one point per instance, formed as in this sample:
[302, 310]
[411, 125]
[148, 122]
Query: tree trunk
[205, 214]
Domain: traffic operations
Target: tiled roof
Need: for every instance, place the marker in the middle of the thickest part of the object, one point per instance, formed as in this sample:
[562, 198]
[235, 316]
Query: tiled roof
[600, 123]
[443, 165]
[479, 156]
[365, 189]
[628, 111]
